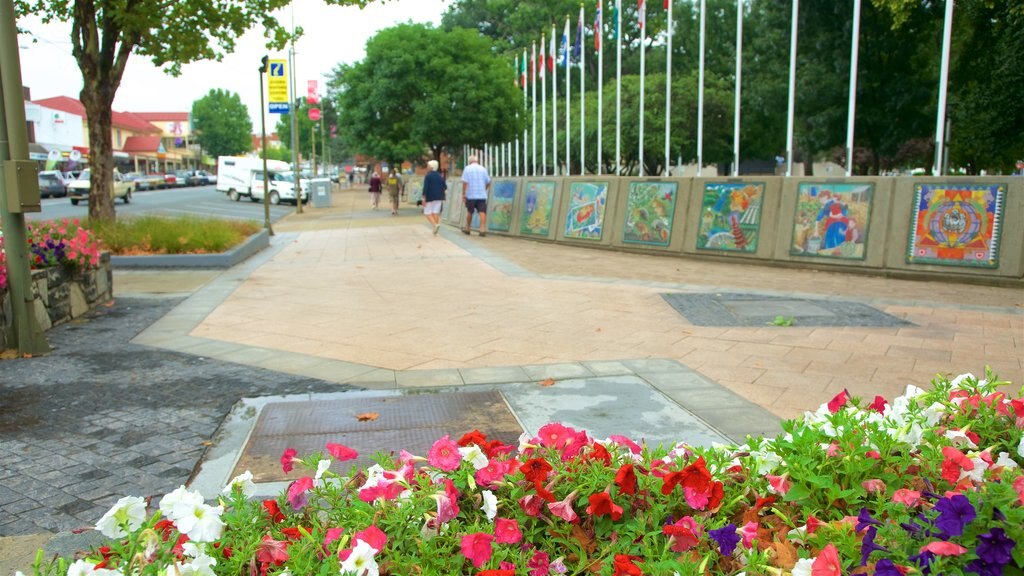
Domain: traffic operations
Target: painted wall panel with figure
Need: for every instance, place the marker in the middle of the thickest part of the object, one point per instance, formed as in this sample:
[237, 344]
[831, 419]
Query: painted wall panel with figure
[730, 218]
[650, 209]
[832, 220]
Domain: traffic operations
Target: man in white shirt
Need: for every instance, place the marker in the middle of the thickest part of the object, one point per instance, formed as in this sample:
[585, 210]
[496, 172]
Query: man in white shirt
[475, 184]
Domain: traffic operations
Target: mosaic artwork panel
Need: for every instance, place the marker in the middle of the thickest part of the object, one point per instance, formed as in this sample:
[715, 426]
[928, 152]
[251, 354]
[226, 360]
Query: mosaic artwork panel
[956, 224]
[650, 208]
[587, 203]
[730, 216]
[499, 209]
[414, 191]
[537, 205]
[832, 220]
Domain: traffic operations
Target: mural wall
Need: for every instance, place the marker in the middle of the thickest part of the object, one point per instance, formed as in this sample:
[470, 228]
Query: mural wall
[538, 201]
[832, 220]
[730, 216]
[956, 224]
[650, 209]
[499, 208]
[585, 217]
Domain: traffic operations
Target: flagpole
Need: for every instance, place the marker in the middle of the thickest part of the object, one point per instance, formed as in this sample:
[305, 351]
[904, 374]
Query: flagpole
[940, 122]
[518, 173]
[854, 48]
[668, 87]
[618, 87]
[599, 35]
[526, 141]
[583, 94]
[739, 73]
[643, 50]
[568, 86]
[533, 102]
[543, 109]
[700, 92]
[792, 91]
[554, 104]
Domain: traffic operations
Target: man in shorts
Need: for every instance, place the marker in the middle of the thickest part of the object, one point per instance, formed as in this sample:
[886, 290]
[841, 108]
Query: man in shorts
[475, 184]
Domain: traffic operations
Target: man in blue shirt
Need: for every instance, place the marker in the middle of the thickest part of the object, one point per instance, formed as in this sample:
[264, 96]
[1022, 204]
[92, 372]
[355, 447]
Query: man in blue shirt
[475, 184]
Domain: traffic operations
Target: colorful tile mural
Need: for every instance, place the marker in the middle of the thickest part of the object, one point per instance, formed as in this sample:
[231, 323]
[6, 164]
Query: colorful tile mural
[832, 220]
[499, 208]
[587, 203]
[650, 208]
[730, 216]
[539, 198]
[956, 224]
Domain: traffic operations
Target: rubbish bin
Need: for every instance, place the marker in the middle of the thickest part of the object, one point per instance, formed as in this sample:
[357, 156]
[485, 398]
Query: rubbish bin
[320, 190]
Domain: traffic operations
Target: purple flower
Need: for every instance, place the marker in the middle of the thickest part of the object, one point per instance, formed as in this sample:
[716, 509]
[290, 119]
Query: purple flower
[924, 561]
[885, 567]
[726, 537]
[995, 547]
[954, 514]
[868, 546]
[983, 568]
[864, 520]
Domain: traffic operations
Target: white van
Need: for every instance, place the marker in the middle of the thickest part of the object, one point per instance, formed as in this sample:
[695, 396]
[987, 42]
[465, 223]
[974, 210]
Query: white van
[239, 176]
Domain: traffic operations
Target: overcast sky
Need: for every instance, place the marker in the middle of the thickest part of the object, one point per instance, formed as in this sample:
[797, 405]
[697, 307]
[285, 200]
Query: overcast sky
[333, 35]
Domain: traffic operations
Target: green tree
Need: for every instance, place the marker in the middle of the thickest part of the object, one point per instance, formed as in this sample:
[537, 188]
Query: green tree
[422, 88]
[222, 123]
[105, 34]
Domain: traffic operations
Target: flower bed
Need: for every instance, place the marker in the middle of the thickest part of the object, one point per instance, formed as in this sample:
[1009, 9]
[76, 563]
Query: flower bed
[927, 483]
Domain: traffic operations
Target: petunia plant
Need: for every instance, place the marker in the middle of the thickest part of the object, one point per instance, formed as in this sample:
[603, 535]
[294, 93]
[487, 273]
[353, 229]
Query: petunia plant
[928, 483]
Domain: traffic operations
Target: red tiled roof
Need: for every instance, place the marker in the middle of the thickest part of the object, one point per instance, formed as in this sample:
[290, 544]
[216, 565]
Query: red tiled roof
[132, 121]
[121, 119]
[141, 144]
[163, 116]
[64, 104]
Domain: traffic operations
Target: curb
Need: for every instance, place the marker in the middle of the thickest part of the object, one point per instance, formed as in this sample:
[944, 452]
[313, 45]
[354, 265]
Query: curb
[240, 253]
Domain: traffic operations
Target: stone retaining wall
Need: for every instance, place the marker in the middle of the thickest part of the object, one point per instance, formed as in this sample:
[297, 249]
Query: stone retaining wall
[60, 295]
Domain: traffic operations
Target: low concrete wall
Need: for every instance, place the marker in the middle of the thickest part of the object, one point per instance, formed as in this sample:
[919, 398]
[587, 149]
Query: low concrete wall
[967, 228]
[60, 295]
[238, 254]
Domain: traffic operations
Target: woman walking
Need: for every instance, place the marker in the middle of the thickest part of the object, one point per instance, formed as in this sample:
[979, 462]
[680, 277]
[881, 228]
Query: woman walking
[434, 187]
[375, 190]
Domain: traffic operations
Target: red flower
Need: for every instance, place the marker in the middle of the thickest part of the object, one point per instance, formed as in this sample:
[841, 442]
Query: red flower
[600, 453]
[701, 491]
[827, 563]
[292, 533]
[543, 492]
[477, 547]
[954, 462]
[475, 437]
[684, 534]
[272, 551]
[373, 536]
[507, 531]
[878, 405]
[273, 511]
[497, 573]
[601, 504]
[341, 453]
[288, 459]
[839, 401]
[531, 505]
[535, 469]
[624, 565]
[940, 548]
[625, 479]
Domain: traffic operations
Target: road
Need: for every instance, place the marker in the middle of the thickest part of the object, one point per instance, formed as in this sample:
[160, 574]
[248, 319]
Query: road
[192, 201]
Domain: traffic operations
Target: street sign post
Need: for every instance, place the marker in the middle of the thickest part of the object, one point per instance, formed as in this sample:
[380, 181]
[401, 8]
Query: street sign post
[277, 87]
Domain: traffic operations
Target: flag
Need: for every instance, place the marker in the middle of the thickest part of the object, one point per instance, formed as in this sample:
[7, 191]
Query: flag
[642, 11]
[666, 4]
[516, 80]
[565, 44]
[543, 57]
[522, 71]
[615, 18]
[552, 51]
[597, 27]
[578, 46]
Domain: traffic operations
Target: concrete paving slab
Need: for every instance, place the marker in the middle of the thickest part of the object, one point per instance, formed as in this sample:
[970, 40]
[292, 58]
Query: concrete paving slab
[428, 378]
[556, 371]
[495, 375]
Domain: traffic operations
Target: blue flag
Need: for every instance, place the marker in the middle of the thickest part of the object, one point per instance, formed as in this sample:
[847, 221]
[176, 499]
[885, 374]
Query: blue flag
[578, 46]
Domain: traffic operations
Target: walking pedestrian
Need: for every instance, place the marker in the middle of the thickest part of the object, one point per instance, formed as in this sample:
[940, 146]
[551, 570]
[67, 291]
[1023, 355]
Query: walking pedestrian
[395, 187]
[375, 190]
[434, 187]
[475, 184]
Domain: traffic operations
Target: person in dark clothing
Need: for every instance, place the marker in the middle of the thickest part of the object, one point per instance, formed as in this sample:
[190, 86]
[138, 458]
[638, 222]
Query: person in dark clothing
[376, 187]
[434, 187]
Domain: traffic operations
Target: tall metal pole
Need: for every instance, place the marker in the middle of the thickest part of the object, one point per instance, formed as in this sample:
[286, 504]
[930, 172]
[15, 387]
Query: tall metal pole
[263, 143]
[583, 94]
[533, 98]
[940, 121]
[600, 81]
[739, 73]
[851, 113]
[554, 103]
[618, 87]
[297, 172]
[643, 66]
[668, 87]
[543, 107]
[792, 91]
[27, 335]
[700, 91]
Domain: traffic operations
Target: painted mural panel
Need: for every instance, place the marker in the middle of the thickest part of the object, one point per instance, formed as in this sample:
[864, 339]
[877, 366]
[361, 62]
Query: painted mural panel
[832, 220]
[650, 208]
[414, 191]
[956, 224]
[499, 209]
[730, 217]
[537, 204]
[587, 203]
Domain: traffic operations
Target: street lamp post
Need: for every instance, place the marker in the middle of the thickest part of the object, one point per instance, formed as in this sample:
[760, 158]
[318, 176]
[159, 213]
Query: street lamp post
[263, 142]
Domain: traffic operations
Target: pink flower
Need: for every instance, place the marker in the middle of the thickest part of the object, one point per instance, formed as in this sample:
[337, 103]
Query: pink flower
[749, 533]
[832, 450]
[373, 536]
[332, 535]
[778, 484]
[1018, 485]
[563, 508]
[531, 504]
[477, 547]
[944, 548]
[288, 459]
[683, 535]
[839, 401]
[827, 563]
[297, 492]
[539, 564]
[489, 476]
[878, 405]
[634, 448]
[563, 438]
[873, 486]
[444, 454]
[341, 453]
[447, 502]
[908, 498]
[507, 531]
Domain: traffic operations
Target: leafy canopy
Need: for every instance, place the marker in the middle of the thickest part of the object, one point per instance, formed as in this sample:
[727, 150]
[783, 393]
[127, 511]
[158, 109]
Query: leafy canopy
[223, 123]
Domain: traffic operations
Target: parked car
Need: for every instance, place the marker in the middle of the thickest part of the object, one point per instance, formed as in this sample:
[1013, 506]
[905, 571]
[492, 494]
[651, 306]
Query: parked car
[71, 175]
[79, 189]
[170, 181]
[182, 177]
[51, 183]
[200, 178]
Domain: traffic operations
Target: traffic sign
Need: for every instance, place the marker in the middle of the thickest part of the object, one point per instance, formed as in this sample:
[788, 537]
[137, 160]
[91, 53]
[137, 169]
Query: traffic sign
[277, 86]
[314, 114]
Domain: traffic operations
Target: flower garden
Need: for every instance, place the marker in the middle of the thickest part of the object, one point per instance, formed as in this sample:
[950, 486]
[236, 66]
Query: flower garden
[56, 243]
[927, 483]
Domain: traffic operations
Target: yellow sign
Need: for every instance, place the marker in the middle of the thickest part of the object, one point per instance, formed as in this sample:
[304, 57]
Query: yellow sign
[277, 86]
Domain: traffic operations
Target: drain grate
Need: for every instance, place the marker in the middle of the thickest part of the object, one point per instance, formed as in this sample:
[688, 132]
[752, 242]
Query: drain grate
[409, 422]
[759, 310]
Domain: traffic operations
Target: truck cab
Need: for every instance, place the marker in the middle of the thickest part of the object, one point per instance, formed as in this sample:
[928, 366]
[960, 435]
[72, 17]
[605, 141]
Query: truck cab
[78, 190]
[243, 177]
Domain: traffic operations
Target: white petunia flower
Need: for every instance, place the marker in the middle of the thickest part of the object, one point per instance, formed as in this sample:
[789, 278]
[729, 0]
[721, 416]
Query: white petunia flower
[81, 568]
[956, 382]
[201, 565]
[474, 456]
[130, 510]
[1020, 447]
[1004, 461]
[959, 438]
[181, 499]
[321, 467]
[977, 474]
[803, 567]
[243, 482]
[201, 523]
[360, 562]
[490, 506]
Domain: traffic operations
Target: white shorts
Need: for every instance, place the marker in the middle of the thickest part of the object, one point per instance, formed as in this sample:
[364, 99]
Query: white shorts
[433, 207]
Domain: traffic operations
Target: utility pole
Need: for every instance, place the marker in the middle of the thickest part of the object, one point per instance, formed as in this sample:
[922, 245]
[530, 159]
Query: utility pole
[17, 177]
[312, 140]
[297, 172]
[264, 64]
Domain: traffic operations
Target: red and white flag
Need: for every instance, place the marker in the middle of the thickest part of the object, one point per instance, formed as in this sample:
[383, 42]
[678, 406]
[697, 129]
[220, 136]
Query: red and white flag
[642, 12]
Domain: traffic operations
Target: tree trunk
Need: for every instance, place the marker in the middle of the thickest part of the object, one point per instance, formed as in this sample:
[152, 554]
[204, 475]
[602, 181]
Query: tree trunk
[101, 150]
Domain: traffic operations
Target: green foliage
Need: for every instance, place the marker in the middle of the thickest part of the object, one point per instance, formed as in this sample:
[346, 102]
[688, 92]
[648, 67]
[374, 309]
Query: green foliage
[422, 88]
[784, 321]
[222, 123]
[159, 235]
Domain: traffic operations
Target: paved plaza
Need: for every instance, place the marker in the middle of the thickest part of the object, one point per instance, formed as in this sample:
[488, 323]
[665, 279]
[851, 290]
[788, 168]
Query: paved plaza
[348, 303]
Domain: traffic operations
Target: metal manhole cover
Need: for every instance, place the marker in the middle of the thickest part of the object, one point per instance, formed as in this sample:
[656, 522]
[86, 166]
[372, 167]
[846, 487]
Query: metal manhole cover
[404, 422]
[759, 310]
